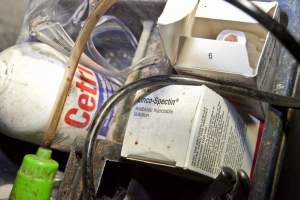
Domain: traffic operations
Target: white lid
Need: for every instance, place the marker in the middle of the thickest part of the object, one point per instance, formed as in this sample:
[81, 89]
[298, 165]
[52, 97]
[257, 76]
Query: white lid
[232, 36]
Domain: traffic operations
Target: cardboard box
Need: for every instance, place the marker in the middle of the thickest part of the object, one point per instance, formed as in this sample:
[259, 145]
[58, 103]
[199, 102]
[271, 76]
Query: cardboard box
[189, 39]
[190, 127]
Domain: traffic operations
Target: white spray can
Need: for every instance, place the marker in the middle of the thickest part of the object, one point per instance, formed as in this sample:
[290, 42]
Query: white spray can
[30, 78]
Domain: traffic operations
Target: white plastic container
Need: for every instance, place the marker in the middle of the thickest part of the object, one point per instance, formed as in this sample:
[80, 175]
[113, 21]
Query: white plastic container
[30, 78]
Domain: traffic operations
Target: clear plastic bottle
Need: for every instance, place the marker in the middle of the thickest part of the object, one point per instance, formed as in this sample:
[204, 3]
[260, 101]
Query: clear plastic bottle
[30, 78]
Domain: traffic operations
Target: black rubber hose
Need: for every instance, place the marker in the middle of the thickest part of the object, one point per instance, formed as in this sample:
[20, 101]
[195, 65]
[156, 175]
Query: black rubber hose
[232, 89]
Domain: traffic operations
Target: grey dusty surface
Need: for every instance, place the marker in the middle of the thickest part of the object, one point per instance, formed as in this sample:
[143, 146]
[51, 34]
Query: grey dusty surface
[11, 16]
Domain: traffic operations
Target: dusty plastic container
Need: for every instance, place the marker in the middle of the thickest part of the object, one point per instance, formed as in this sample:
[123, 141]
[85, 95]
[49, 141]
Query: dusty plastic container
[112, 44]
[30, 78]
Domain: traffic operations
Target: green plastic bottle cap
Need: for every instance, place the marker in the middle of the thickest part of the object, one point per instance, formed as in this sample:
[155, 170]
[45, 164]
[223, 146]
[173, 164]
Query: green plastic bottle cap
[35, 178]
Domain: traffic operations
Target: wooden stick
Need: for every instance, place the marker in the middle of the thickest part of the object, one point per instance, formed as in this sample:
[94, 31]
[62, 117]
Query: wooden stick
[100, 10]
